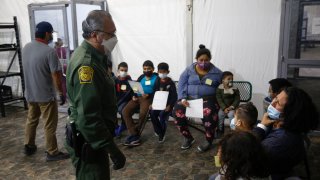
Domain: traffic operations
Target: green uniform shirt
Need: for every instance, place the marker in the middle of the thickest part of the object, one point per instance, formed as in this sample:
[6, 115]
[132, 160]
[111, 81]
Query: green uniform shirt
[92, 96]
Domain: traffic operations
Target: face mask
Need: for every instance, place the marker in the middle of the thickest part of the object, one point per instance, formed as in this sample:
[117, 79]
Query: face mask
[229, 83]
[204, 66]
[162, 75]
[55, 36]
[147, 73]
[232, 124]
[50, 39]
[122, 74]
[273, 113]
[217, 161]
[109, 44]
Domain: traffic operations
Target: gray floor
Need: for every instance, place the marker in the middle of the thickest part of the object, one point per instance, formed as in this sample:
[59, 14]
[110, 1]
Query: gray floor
[151, 160]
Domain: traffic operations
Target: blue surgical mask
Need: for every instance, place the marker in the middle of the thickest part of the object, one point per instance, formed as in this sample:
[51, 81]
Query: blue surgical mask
[273, 113]
[232, 124]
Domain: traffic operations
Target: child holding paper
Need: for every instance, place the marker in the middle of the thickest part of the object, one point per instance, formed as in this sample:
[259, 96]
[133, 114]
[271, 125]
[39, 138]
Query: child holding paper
[123, 93]
[147, 81]
[159, 118]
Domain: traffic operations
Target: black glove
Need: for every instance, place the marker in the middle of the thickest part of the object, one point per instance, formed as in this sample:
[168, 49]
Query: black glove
[62, 99]
[117, 157]
[118, 160]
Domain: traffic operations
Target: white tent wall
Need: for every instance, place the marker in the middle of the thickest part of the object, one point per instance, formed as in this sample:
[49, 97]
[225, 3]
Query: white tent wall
[150, 30]
[243, 37]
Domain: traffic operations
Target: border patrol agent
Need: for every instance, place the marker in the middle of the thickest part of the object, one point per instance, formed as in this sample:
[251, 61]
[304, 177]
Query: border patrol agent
[92, 99]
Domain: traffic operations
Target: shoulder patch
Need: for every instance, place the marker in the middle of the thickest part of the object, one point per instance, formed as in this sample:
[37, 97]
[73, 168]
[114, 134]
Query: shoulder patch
[85, 74]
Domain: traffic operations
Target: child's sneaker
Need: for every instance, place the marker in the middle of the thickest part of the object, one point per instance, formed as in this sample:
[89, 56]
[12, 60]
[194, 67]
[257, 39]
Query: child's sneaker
[204, 147]
[132, 140]
[162, 139]
[187, 143]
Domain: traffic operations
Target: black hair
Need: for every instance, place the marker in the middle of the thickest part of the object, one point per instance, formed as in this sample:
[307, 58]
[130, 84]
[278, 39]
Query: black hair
[123, 64]
[300, 113]
[203, 50]
[226, 73]
[40, 35]
[148, 63]
[163, 66]
[278, 84]
[248, 113]
[94, 22]
[242, 155]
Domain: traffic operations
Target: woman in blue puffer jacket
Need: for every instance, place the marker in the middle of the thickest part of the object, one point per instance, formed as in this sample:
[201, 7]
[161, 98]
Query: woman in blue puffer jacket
[199, 80]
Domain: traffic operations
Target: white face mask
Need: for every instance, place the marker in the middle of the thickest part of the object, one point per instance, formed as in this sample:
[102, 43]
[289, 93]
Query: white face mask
[233, 124]
[122, 74]
[162, 75]
[228, 83]
[109, 44]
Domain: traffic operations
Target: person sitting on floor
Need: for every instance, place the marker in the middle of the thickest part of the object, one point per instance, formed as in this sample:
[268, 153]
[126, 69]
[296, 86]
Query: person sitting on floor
[228, 98]
[241, 156]
[124, 94]
[160, 118]
[147, 81]
[245, 117]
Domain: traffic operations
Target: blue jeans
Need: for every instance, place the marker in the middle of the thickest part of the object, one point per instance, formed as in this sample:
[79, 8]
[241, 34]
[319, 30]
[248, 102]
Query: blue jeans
[222, 116]
[120, 108]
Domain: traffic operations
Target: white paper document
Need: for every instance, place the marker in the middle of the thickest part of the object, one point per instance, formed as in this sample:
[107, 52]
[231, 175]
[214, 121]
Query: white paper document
[160, 100]
[195, 108]
[136, 87]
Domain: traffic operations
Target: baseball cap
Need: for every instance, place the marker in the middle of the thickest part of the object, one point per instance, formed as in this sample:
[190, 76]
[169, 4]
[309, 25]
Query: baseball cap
[44, 27]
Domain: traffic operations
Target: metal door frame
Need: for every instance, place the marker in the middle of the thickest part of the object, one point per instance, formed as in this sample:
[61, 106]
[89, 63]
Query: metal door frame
[63, 6]
[284, 61]
[47, 6]
[101, 3]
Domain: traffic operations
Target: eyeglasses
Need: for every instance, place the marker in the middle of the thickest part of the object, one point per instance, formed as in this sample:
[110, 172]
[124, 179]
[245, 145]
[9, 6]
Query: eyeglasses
[109, 34]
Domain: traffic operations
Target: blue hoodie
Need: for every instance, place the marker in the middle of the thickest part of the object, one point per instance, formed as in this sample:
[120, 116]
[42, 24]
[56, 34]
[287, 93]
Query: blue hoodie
[190, 84]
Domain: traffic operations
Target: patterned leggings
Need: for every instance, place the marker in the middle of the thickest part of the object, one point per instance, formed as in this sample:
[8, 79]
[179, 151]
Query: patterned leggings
[209, 120]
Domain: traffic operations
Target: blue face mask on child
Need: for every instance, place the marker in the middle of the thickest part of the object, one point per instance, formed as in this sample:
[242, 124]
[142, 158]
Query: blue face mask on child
[273, 113]
[232, 124]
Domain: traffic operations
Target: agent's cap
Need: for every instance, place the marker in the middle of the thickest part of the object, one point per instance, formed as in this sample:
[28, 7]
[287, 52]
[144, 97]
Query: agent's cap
[44, 27]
